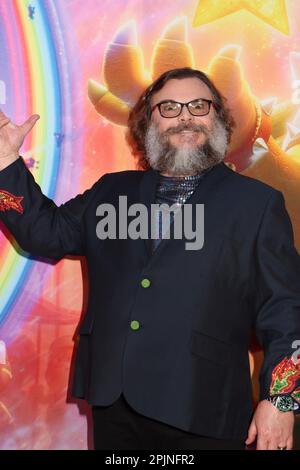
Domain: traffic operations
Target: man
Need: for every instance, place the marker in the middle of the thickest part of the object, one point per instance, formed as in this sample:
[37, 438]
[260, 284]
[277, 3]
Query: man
[163, 351]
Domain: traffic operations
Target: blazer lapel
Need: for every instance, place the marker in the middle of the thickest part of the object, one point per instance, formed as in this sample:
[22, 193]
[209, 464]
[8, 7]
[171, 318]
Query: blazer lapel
[147, 193]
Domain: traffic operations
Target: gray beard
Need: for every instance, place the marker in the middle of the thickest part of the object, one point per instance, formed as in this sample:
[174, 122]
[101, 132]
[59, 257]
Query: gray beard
[166, 158]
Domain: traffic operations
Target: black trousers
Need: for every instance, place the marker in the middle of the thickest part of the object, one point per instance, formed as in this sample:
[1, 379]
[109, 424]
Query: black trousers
[119, 427]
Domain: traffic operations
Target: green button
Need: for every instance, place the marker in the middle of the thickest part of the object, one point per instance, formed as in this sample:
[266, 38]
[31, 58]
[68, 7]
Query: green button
[145, 282]
[135, 325]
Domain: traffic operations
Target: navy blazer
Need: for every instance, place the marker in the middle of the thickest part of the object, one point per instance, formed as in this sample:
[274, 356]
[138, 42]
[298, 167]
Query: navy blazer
[177, 344]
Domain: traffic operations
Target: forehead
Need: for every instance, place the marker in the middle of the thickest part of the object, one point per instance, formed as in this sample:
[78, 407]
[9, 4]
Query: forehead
[185, 89]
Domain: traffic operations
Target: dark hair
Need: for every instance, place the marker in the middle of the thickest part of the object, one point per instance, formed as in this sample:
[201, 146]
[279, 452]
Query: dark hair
[140, 115]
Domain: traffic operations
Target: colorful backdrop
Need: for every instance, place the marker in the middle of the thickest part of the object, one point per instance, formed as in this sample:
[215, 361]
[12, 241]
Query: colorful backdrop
[81, 66]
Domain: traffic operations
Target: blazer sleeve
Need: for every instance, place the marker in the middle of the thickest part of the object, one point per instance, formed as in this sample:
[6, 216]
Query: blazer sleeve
[278, 302]
[39, 226]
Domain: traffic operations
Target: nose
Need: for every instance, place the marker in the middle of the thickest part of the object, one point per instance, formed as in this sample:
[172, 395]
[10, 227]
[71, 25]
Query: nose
[185, 115]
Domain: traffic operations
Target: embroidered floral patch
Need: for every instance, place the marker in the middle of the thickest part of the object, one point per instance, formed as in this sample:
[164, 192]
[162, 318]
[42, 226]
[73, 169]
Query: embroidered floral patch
[10, 201]
[284, 377]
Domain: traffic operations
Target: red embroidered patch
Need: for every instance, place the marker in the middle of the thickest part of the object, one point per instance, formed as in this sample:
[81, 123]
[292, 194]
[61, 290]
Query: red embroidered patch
[10, 201]
[284, 377]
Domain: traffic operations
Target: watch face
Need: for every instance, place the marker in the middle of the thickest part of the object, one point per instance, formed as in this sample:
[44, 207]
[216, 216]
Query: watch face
[284, 403]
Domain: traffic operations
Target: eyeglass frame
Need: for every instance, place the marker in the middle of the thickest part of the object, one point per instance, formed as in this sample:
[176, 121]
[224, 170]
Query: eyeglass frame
[210, 103]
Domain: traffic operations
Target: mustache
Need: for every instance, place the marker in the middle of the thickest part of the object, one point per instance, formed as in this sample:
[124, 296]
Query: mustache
[184, 127]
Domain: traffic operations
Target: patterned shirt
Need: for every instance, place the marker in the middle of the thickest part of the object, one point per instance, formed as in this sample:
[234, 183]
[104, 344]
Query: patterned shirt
[173, 190]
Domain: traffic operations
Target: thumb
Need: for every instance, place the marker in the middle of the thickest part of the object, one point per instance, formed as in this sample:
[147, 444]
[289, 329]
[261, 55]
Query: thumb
[28, 125]
[252, 432]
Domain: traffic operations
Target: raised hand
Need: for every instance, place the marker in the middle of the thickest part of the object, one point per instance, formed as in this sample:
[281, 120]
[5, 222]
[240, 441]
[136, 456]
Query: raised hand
[12, 137]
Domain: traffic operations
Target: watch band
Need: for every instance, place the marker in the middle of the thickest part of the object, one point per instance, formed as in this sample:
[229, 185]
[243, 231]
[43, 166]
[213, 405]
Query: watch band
[283, 402]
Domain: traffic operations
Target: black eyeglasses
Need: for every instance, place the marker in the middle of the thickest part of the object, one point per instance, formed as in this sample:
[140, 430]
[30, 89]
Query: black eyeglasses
[172, 109]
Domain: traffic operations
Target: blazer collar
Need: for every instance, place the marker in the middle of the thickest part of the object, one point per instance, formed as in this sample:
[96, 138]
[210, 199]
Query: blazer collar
[147, 193]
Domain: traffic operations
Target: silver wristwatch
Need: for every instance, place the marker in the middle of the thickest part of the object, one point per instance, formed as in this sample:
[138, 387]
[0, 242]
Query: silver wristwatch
[283, 402]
